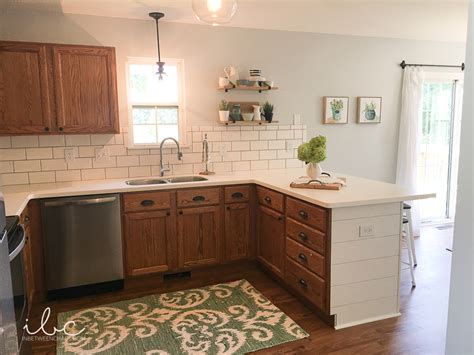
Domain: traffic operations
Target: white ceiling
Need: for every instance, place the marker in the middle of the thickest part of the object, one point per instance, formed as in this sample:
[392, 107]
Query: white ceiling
[414, 19]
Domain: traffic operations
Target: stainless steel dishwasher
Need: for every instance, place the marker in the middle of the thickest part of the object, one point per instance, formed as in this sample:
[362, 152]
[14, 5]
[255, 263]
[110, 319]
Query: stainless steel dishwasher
[82, 240]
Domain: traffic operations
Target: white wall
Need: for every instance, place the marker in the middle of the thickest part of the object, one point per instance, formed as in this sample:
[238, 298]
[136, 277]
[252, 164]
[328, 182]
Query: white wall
[460, 336]
[306, 66]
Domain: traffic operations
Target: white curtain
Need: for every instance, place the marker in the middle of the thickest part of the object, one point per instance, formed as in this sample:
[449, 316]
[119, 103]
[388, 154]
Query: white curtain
[408, 143]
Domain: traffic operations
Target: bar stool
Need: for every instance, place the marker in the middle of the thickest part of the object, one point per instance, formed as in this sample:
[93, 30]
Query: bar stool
[410, 235]
[407, 234]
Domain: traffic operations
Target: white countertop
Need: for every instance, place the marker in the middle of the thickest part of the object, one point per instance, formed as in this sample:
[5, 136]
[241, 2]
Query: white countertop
[358, 192]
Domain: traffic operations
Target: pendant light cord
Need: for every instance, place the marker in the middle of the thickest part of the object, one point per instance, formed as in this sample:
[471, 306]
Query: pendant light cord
[158, 40]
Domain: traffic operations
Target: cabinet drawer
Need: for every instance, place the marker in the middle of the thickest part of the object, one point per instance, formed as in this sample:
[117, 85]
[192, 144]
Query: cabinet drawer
[307, 236]
[305, 213]
[146, 201]
[306, 257]
[236, 194]
[270, 198]
[198, 197]
[307, 284]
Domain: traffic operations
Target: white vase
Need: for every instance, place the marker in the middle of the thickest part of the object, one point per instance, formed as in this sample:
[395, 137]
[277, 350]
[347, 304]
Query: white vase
[223, 116]
[313, 170]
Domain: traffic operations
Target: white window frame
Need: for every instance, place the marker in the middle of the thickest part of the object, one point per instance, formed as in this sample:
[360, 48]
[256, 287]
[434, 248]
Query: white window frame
[179, 63]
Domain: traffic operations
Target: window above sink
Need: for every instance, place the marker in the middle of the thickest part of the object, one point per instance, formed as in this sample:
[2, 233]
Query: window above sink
[156, 107]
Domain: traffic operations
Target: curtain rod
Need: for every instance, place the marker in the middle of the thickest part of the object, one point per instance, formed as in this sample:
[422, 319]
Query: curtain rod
[403, 64]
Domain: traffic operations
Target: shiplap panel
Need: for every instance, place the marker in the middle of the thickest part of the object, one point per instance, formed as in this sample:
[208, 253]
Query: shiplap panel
[364, 270]
[365, 249]
[385, 209]
[365, 312]
[346, 230]
[364, 291]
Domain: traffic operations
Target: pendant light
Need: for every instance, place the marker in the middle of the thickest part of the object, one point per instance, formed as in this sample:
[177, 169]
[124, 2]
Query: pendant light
[215, 12]
[161, 65]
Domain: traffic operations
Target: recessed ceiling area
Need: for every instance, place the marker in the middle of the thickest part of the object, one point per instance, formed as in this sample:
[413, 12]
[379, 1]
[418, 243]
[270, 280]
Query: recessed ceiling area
[421, 19]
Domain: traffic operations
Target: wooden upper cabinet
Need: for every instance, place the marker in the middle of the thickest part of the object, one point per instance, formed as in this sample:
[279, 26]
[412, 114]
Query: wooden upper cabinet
[25, 101]
[85, 89]
[50, 88]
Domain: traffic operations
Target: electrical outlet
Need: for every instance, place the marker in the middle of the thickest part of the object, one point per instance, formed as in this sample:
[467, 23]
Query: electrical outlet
[290, 146]
[223, 150]
[366, 230]
[69, 154]
[102, 153]
[296, 118]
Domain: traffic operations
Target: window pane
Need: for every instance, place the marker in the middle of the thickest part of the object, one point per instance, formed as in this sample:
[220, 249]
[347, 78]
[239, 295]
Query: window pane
[146, 88]
[165, 131]
[144, 115]
[144, 134]
[167, 115]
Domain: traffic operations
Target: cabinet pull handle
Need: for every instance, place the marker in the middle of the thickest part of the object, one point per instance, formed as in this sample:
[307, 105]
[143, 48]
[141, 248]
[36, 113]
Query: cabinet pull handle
[303, 283]
[303, 236]
[168, 213]
[61, 129]
[303, 214]
[302, 257]
[147, 203]
[199, 198]
[180, 212]
[268, 199]
[280, 218]
[237, 195]
[46, 129]
[228, 208]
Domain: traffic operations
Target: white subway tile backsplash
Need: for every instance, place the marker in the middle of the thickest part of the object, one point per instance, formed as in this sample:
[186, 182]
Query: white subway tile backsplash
[23, 166]
[40, 159]
[68, 175]
[39, 153]
[15, 179]
[52, 141]
[294, 163]
[24, 141]
[42, 177]
[78, 139]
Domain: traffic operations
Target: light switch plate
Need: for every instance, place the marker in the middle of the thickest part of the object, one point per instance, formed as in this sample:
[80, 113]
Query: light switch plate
[69, 154]
[367, 230]
[102, 153]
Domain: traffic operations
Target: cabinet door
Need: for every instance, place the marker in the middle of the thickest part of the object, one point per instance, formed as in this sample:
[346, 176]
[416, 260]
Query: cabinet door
[199, 234]
[271, 239]
[148, 242]
[86, 89]
[25, 106]
[237, 231]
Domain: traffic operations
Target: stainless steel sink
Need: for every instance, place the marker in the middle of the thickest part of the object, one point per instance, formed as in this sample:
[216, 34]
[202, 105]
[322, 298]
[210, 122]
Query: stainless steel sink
[170, 180]
[146, 182]
[178, 179]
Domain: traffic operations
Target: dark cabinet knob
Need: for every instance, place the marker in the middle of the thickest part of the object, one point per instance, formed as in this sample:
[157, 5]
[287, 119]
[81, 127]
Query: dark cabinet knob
[303, 236]
[147, 203]
[303, 283]
[168, 213]
[46, 129]
[303, 214]
[237, 195]
[61, 129]
[280, 218]
[268, 199]
[228, 208]
[302, 257]
[180, 212]
[199, 198]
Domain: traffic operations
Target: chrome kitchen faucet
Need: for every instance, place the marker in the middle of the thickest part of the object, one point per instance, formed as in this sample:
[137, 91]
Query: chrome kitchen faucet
[180, 155]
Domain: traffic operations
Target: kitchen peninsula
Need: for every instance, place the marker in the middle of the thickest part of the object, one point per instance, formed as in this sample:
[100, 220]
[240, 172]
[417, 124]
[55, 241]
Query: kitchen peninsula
[338, 251]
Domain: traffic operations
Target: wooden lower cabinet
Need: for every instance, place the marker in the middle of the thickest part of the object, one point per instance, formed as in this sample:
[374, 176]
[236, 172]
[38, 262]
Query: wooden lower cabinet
[149, 238]
[237, 231]
[199, 235]
[271, 239]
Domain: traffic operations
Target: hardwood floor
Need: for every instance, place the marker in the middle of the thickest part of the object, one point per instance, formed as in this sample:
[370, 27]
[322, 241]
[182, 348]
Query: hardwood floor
[420, 330]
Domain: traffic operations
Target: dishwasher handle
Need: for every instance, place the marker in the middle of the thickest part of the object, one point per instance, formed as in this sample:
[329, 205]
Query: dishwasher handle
[83, 202]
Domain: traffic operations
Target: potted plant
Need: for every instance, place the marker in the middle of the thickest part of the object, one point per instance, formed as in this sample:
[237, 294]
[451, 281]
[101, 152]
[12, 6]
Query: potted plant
[336, 108]
[312, 153]
[268, 111]
[369, 111]
[224, 111]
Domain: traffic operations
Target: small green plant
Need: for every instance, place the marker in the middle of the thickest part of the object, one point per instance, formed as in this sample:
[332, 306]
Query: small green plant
[313, 151]
[337, 105]
[370, 107]
[224, 106]
[267, 108]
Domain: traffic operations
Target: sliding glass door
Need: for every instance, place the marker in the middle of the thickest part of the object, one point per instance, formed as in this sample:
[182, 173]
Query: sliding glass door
[437, 161]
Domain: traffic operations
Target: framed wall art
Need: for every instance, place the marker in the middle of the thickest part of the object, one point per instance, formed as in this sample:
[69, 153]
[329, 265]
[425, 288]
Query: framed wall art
[369, 109]
[336, 109]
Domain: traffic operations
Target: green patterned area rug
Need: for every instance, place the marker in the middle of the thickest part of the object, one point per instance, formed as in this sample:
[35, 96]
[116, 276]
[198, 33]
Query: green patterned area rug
[230, 318]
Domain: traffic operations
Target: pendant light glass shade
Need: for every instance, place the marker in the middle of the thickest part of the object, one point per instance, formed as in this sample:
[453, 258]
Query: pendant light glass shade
[215, 12]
